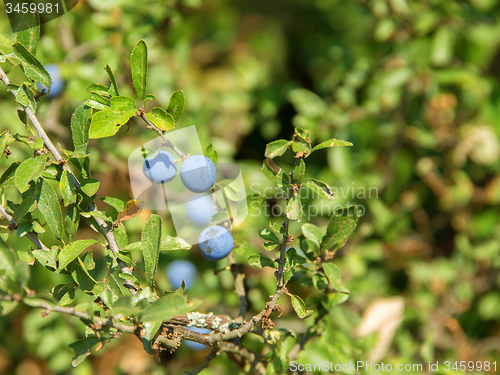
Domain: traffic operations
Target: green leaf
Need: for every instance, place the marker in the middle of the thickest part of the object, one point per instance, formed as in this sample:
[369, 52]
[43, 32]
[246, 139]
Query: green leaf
[26, 97]
[312, 232]
[167, 243]
[269, 236]
[275, 174]
[28, 204]
[139, 67]
[97, 88]
[318, 187]
[67, 186]
[294, 209]
[90, 186]
[331, 143]
[8, 176]
[4, 137]
[150, 97]
[107, 122]
[150, 241]
[300, 307]
[48, 205]
[299, 171]
[167, 307]
[211, 153]
[71, 251]
[116, 203]
[97, 214]
[32, 67]
[124, 306]
[176, 105]
[64, 293]
[28, 171]
[80, 125]
[47, 258]
[290, 264]
[113, 90]
[161, 119]
[333, 274]
[83, 348]
[71, 221]
[81, 276]
[311, 246]
[29, 33]
[277, 148]
[340, 226]
[303, 147]
[150, 330]
[260, 261]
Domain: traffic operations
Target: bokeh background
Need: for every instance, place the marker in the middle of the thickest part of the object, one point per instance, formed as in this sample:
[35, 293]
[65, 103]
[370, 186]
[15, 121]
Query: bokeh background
[414, 85]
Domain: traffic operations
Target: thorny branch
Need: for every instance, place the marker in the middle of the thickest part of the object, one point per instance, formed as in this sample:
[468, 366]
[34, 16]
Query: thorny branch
[32, 236]
[105, 229]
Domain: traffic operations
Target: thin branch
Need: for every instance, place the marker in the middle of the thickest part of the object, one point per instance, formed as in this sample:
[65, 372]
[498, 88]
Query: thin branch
[239, 286]
[32, 236]
[213, 354]
[48, 307]
[250, 357]
[281, 267]
[105, 229]
[160, 133]
[215, 337]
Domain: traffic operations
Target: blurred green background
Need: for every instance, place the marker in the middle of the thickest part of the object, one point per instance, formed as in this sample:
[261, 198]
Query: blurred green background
[415, 85]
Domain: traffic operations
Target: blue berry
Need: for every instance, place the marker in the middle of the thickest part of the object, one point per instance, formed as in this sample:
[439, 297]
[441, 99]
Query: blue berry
[160, 167]
[57, 82]
[215, 243]
[196, 345]
[180, 270]
[201, 210]
[198, 173]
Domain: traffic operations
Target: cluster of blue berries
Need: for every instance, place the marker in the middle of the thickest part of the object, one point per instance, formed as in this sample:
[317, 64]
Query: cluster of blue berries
[198, 174]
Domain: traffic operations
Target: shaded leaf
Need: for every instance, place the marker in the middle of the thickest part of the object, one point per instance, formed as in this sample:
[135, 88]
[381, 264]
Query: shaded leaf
[48, 205]
[32, 67]
[294, 209]
[269, 236]
[318, 187]
[80, 125]
[167, 307]
[333, 274]
[71, 251]
[300, 307]
[67, 186]
[150, 241]
[340, 226]
[299, 171]
[312, 232]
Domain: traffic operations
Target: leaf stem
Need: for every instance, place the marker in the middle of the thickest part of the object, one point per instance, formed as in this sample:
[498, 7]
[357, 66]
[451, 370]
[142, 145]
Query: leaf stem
[160, 133]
